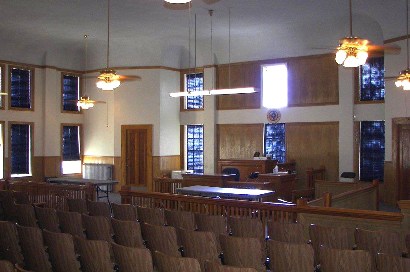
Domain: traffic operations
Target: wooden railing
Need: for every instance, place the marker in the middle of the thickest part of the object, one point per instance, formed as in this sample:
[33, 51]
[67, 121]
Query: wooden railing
[315, 174]
[336, 187]
[52, 195]
[167, 185]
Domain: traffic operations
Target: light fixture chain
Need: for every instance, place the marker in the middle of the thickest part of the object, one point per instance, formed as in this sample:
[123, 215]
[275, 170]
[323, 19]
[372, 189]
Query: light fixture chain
[189, 38]
[351, 19]
[407, 27]
[229, 47]
[211, 12]
[195, 45]
[108, 34]
[86, 61]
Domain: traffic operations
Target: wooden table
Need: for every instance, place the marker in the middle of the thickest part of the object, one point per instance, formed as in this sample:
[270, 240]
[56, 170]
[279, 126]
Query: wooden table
[232, 193]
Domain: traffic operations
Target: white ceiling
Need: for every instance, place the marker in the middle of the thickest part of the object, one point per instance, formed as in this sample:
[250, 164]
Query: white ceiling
[145, 33]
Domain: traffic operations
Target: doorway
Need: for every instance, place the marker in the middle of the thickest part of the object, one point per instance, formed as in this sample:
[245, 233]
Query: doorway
[401, 156]
[136, 155]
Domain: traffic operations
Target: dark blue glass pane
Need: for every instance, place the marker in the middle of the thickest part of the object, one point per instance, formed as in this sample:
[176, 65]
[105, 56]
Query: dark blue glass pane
[275, 142]
[20, 149]
[371, 78]
[195, 148]
[372, 150]
[71, 144]
[20, 96]
[195, 82]
[70, 92]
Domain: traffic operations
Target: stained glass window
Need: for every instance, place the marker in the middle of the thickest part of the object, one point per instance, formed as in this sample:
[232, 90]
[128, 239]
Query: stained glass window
[20, 80]
[194, 82]
[71, 92]
[371, 79]
[372, 147]
[275, 142]
[195, 148]
[20, 149]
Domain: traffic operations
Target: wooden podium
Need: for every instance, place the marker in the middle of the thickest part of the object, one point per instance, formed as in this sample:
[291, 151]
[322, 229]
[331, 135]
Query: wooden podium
[246, 167]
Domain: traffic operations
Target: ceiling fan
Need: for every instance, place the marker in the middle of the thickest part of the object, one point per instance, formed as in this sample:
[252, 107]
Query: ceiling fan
[108, 79]
[353, 51]
[86, 103]
[184, 4]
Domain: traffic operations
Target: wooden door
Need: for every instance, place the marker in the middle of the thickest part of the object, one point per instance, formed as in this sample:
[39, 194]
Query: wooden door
[136, 155]
[404, 161]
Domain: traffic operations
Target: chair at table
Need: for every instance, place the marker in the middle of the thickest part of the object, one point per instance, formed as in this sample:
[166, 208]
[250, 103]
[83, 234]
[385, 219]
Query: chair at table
[180, 219]
[232, 171]
[9, 243]
[153, 216]
[218, 267]
[390, 263]
[94, 255]
[243, 252]
[26, 216]
[34, 252]
[161, 238]
[47, 219]
[125, 212]
[61, 251]
[286, 232]
[6, 266]
[201, 245]
[77, 205]
[96, 208]
[97, 228]
[346, 260]
[71, 222]
[167, 263]
[290, 257]
[127, 233]
[132, 259]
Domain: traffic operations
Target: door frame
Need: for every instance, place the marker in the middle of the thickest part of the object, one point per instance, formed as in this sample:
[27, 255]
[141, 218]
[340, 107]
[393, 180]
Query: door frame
[149, 170]
[396, 124]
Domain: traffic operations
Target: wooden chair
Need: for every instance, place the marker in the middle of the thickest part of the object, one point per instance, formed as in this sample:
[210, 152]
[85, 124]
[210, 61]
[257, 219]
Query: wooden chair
[47, 219]
[26, 216]
[21, 197]
[246, 227]
[408, 244]
[213, 223]
[97, 228]
[6, 266]
[201, 245]
[132, 259]
[8, 205]
[218, 267]
[34, 252]
[94, 255]
[127, 233]
[390, 263]
[161, 238]
[61, 251]
[290, 257]
[153, 216]
[251, 253]
[346, 260]
[180, 219]
[286, 232]
[96, 208]
[9, 243]
[124, 212]
[77, 205]
[72, 223]
[166, 263]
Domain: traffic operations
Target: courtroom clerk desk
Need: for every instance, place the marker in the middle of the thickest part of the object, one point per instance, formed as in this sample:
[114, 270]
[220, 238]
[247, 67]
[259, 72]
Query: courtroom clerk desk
[213, 180]
[246, 167]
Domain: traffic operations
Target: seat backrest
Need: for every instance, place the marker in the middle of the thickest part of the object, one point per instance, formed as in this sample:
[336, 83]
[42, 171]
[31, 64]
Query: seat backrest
[9, 243]
[47, 219]
[61, 251]
[21, 197]
[71, 222]
[166, 263]
[96, 208]
[77, 205]
[8, 204]
[6, 266]
[290, 257]
[180, 219]
[153, 216]
[32, 247]
[97, 228]
[127, 233]
[390, 263]
[214, 223]
[251, 253]
[408, 243]
[26, 215]
[232, 171]
[286, 232]
[161, 238]
[132, 259]
[345, 260]
[94, 255]
[218, 267]
[246, 227]
[124, 212]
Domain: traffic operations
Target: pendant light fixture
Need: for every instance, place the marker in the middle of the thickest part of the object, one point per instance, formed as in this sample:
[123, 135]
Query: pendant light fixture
[403, 80]
[352, 51]
[177, 1]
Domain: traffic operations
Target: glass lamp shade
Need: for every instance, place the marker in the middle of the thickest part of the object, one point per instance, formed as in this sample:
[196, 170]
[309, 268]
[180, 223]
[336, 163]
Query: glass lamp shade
[177, 1]
[85, 105]
[108, 80]
[403, 80]
[352, 52]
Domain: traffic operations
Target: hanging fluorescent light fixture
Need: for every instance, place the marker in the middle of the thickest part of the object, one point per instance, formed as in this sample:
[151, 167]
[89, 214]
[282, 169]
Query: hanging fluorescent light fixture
[177, 1]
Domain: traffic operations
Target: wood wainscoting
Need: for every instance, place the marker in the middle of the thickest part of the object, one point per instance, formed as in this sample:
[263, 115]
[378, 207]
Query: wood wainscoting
[163, 165]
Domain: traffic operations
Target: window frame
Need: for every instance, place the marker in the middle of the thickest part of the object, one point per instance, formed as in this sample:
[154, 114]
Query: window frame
[80, 84]
[262, 66]
[61, 145]
[31, 157]
[186, 146]
[357, 88]
[2, 86]
[183, 74]
[32, 82]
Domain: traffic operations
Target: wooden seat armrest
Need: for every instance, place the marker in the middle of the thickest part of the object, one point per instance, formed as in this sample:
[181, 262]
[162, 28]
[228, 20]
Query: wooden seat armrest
[305, 193]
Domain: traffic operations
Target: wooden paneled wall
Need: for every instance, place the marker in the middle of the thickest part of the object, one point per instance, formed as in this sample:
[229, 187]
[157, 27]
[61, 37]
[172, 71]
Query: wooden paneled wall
[312, 81]
[239, 141]
[163, 165]
[312, 145]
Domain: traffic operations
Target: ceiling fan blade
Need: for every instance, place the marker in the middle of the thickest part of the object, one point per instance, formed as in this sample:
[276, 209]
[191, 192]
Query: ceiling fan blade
[384, 49]
[388, 78]
[129, 78]
[210, 2]
[177, 6]
[98, 102]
